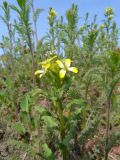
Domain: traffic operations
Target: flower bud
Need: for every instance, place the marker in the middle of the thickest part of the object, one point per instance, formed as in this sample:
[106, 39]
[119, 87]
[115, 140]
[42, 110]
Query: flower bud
[109, 11]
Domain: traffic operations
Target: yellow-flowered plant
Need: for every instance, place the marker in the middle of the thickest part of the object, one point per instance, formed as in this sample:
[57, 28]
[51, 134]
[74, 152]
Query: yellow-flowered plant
[65, 66]
[45, 66]
[57, 84]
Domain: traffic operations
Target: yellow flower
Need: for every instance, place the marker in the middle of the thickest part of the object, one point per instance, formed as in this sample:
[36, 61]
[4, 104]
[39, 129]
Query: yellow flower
[65, 65]
[53, 13]
[45, 66]
[40, 73]
[109, 11]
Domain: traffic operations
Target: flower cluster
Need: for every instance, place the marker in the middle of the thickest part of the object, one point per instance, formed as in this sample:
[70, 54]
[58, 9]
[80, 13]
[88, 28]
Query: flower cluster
[45, 66]
[109, 13]
[64, 66]
[52, 14]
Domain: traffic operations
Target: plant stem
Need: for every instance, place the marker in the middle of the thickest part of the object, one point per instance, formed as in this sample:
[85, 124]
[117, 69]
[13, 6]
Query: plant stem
[11, 48]
[39, 133]
[108, 118]
[62, 130]
[107, 127]
[32, 57]
[35, 25]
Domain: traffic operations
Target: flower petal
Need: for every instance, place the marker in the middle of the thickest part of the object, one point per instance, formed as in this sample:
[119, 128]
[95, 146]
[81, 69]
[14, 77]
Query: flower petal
[48, 60]
[39, 72]
[41, 75]
[73, 69]
[60, 64]
[67, 62]
[62, 73]
[46, 65]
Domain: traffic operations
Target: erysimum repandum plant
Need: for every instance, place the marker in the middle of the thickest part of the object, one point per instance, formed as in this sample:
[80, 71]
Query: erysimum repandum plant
[57, 79]
[64, 66]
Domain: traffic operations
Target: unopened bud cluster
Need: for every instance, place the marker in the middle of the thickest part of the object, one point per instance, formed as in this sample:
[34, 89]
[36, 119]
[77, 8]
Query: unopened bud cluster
[109, 13]
[52, 14]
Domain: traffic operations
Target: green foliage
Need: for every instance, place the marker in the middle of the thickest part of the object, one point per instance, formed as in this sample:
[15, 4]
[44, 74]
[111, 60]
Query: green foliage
[22, 146]
[25, 104]
[48, 155]
[19, 128]
[72, 17]
[6, 9]
[56, 115]
[115, 138]
[37, 13]
[88, 131]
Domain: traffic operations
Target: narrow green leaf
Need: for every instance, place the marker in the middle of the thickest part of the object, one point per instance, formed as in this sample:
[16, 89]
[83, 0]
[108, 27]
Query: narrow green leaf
[75, 101]
[48, 153]
[49, 121]
[19, 128]
[21, 3]
[25, 104]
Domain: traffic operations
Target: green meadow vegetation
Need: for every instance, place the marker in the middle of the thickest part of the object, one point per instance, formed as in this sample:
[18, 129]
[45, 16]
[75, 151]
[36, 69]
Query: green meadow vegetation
[59, 94]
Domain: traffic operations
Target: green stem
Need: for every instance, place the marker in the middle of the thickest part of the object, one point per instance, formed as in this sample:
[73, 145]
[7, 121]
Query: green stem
[35, 24]
[62, 130]
[11, 48]
[32, 56]
[107, 128]
[108, 117]
[39, 134]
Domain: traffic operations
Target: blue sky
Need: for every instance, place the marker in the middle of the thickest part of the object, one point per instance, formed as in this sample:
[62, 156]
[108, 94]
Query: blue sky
[91, 6]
